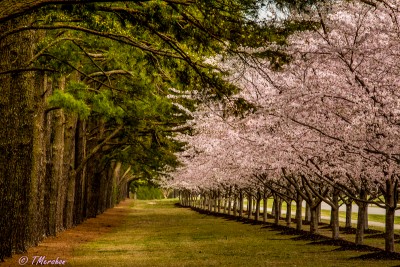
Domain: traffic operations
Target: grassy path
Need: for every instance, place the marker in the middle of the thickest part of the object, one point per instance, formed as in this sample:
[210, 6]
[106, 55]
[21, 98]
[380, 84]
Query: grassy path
[156, 233]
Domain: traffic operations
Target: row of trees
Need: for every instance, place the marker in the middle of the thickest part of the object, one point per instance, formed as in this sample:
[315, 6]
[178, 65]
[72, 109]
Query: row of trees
[322, 123]
[89, 100]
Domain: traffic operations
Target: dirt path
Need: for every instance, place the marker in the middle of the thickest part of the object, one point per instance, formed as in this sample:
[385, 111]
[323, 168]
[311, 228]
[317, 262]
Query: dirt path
[63, 244]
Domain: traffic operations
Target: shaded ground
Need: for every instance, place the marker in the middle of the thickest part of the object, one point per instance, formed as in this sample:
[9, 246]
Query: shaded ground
[64, 243]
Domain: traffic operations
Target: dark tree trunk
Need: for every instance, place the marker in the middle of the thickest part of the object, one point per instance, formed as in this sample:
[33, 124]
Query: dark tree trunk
[56, 167]
[258, 202]
[360, 219]
[288, 213]
[80, 184]
[391, 198]
[235, 205]
[241, 206]
[299, 211]
[335, 215]
[230, 201]
[219, 202]
[250, 207]
[349, 207]
[68, 192]
[307, 214]
[265, 208]
[225, 205]
[314, 219]
[319, 212]
[22, 153]
[277, 210]
[360, 224]
[366, 227]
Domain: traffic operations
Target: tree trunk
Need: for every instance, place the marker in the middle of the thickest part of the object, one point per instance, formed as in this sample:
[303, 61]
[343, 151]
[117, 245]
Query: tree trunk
[299, 211]
[314, 219]
[258, 202]
[277, 210]
[215, 200]
[230, 201]
[68, 193]
[209, 202]
[360, 224]
[391, 199]
[81, 182]
[307, 214]
[348, 214]
[235, 205]
[225, 205]
[37, 224]
[265, 209]
[389, 229]
[219, 201]
[250, 208]
[22, 158]
[57, 167]
[241, 206]
[288, 213]
[335, 215]
[273, 206]
[319, 212]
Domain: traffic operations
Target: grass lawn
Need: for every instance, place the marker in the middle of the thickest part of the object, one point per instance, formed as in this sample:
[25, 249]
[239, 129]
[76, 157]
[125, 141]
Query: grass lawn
[157, 233]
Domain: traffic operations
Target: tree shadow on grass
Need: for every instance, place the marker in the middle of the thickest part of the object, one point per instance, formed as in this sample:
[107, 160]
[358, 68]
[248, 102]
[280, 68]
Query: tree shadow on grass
[317, 239]
[380, 255]
[352, 231]
[381, 235]
[285, 230]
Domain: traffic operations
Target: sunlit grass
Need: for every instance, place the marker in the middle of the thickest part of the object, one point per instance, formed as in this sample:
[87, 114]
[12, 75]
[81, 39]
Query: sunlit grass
[159, 234]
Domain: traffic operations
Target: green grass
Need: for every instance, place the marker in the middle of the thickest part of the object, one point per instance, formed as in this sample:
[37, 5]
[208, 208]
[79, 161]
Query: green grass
[159, 234]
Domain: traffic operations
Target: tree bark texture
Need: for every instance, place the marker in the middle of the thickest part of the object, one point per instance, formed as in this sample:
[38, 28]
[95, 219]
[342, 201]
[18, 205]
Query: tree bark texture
[391, 204]
[265, 207]
[348, 214]
[20, 158]
[335, 215]
[250, 206]
[360, 220]
[277, 209]
[308, 213]
[288, 213]
[299, 211]
[314, 219]
[241, 204]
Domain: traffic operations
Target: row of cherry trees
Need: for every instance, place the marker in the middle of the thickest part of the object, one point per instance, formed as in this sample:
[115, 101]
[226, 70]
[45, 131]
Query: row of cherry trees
[325, 126]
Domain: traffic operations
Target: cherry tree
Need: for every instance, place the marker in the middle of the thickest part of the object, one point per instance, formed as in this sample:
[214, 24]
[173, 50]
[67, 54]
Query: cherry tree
[327, 122]
[342, 83]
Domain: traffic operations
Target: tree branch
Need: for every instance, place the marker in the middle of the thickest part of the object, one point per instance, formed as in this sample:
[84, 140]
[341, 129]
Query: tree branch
[96, 149]
[10, 9]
